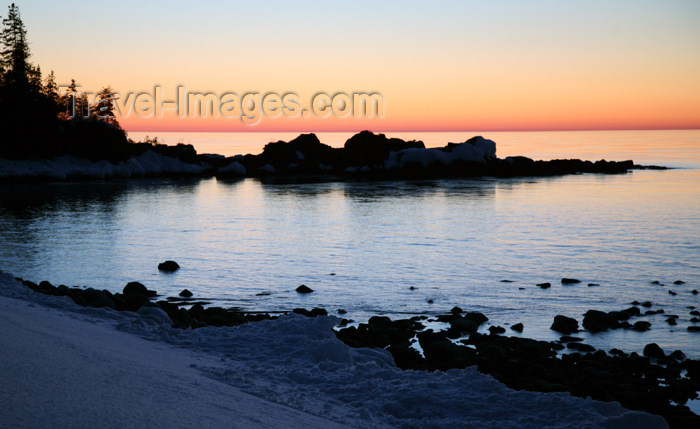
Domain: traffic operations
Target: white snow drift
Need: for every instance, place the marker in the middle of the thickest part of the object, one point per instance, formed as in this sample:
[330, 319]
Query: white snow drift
[478, 150]
[148, 163]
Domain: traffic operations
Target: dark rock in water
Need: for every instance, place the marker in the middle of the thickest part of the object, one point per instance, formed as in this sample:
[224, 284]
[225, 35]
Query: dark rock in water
[263, 294]
[569, 339]
[476, 317]
[544, 285]
[679, 282]
[671, 321]
[646, 304]
[626, 314]
[168, 266]
[581, 347]
[641, 326]
[186, 293]
[677, 355]
[135, 287]
[566, 281]
[656, 282]
[315, 312]
[694, 328]
[430, 301]
[341, 311]
[506, 281]
[672, 293]
[695, 312]
[304, 289]
[518, 327]
[593, 284]
[456, 310]
[694, 291]
[412, 288]
[598, 321]
[564, 325]
[496, 330]
[634, 302]
[654, 351]
[695, 319]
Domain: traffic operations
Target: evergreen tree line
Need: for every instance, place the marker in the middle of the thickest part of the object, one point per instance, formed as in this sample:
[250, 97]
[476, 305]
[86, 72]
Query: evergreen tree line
[38, 122]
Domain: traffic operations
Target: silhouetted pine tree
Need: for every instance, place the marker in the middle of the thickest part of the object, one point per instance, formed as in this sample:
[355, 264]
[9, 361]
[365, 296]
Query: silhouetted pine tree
[35, 121]
[27, 116]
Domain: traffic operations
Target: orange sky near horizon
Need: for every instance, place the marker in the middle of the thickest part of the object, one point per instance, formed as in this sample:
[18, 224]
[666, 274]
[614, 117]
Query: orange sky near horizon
[454, 66]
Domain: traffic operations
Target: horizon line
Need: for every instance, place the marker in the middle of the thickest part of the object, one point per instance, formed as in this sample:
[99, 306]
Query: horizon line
[416, 131]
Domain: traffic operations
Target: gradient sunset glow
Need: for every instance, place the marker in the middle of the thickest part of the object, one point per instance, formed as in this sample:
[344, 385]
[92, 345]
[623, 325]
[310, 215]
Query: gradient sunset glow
[454, 66]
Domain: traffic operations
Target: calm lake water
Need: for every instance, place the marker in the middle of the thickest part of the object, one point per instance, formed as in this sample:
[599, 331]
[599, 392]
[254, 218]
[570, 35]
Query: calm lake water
[361, 246]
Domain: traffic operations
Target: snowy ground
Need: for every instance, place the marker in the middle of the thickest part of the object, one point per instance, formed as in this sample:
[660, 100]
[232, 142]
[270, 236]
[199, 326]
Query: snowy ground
[148, 163]
[67, 366]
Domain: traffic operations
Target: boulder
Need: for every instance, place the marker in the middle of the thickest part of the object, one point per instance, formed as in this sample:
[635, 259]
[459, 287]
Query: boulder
[595, 321]
[567, 281]
[580, 347]
[367, 148]
[654, 351]
[564, 325]
[135, 287]
[641, 326]
[185, 293]
[464, 325]
[494, 330]
[168, 266]
[134, 301]
[518, 327]
[304, 289]
[545, 285]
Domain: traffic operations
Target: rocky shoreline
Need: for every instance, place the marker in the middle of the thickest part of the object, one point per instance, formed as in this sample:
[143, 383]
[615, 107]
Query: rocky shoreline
[364, 156]
[658, 381]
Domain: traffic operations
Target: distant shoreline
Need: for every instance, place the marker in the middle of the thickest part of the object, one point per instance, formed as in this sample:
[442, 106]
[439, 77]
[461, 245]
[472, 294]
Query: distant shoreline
[365, 156]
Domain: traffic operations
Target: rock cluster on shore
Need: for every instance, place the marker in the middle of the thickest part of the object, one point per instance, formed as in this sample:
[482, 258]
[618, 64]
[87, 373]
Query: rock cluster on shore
[657, 381]
[369, 155]
[365, 156]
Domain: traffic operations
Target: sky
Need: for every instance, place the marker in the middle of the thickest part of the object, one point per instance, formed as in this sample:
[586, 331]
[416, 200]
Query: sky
[448, 66]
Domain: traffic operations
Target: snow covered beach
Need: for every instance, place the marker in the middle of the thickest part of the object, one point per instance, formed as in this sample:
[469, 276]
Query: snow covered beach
[71, 366]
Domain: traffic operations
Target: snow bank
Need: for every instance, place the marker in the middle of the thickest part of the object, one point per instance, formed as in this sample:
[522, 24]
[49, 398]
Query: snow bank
[148, 163]
[234, 168]
[477, 149]
[295, 362]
